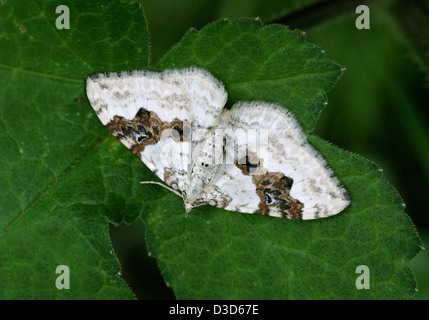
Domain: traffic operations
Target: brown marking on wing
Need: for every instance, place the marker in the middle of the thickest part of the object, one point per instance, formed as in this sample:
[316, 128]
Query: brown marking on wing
[219, 199]
[172, 177]
[145, 129]
[273, 189]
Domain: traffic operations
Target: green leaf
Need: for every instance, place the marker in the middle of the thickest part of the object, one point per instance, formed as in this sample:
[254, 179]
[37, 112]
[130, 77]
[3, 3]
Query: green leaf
[269, 64]
[63, 177]
[214, 254]
[50, 176]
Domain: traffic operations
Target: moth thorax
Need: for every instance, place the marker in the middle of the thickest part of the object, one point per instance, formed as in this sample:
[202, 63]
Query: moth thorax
[197, 184]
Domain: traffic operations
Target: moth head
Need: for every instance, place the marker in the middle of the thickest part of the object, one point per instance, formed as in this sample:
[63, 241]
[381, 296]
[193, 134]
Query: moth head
[189, 206]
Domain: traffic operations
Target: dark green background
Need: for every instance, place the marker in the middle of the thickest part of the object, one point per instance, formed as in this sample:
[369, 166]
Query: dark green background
[378, 109]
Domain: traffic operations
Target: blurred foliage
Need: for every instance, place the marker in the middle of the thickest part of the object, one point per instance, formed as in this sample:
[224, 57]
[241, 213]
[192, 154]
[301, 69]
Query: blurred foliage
[169, 20]
[378, 109]
[413, 18]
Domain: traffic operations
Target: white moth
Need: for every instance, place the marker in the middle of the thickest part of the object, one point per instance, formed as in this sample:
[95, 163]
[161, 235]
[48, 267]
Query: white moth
[253, 158]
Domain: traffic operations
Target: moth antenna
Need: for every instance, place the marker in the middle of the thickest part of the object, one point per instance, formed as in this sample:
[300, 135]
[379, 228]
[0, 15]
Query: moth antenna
[164, 186]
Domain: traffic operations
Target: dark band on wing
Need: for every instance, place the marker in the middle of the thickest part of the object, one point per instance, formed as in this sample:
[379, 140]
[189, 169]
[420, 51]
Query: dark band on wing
[145, 129]
[273, 189]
